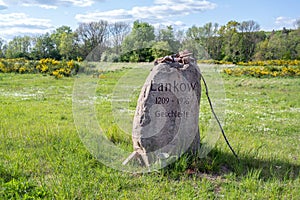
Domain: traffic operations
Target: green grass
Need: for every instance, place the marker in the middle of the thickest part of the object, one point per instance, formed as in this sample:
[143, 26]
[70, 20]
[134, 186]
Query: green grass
[42, 156]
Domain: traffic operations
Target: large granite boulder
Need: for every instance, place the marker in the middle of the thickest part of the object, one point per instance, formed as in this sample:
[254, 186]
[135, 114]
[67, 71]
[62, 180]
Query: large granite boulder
[166, 119]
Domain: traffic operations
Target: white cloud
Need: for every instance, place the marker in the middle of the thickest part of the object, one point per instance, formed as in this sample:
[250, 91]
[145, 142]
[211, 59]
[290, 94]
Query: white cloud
[52, 4]
[14, 24]
[40, 5]
[285, 21]
[113, 15]
[17, 19]
[3, 5]
[80, 3]
[192, 5]
[161, 12]
[168, 23]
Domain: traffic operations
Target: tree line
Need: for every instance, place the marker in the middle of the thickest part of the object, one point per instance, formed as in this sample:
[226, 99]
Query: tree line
[142, 42]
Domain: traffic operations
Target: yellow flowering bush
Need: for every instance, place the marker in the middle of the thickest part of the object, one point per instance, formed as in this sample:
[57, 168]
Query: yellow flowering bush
[50, 66]
[255, 63]
[15, 65]
[47, 65]
[2, 67]
[271, 63]
[267, 68]
[264, 71]
[59, 73]
[22, 70]
[218, 62]
[56, 68]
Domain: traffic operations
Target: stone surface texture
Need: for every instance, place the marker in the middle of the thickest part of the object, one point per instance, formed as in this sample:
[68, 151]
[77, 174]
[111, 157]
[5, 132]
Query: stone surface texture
[167, 113]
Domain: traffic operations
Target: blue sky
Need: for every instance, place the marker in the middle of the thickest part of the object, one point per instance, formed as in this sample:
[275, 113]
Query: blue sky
[30, 17]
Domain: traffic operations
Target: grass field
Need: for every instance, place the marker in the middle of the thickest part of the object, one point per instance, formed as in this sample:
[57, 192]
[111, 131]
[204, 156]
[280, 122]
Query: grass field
[42, 155]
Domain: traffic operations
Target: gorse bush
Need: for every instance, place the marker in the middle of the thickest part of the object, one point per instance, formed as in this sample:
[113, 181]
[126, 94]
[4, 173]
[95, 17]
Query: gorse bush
[59, 69]
[254, 63]
[18, 65]
[218, 62]
[265, 71]
[50, 66]
[271, 63]
[266, 68]
[56, 68]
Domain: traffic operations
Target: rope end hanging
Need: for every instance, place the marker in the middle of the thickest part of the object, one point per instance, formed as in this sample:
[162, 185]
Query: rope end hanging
[216, 117]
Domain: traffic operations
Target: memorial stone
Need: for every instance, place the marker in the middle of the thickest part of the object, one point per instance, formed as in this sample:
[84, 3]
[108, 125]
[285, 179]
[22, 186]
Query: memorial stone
[165, 124]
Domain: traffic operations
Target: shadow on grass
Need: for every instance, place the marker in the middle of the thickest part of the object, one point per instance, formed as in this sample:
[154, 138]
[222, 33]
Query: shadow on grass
[218, 163]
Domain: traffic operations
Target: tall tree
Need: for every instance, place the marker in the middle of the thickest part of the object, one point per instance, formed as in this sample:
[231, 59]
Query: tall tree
[293, 45]
[92, 38]
[212, 42]
[44, 47]
[118, 31]
[137, 45]
[231, 39]
[2, 48]
[196, 34]
[160, 49]
[168, 35]
[297, 24]
[249, 38]
[64, 39]
[19, 47]
[194, 41]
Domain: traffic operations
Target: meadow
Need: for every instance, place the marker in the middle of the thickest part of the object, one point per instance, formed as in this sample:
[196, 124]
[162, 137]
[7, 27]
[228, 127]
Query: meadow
[43, 157]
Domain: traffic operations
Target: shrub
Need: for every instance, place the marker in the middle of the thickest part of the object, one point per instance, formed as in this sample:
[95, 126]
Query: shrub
[264, 71]
[271, 63]
[49, 66]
